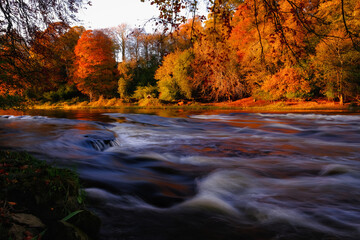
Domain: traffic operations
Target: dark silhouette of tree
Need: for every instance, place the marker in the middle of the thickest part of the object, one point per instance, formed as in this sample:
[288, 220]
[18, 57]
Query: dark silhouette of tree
[26, 17]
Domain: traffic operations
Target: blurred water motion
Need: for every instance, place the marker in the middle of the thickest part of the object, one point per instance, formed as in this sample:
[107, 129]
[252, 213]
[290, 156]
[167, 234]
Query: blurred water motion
[206, 176]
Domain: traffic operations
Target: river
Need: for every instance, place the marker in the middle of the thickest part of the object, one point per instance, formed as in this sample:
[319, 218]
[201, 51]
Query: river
[161, 174]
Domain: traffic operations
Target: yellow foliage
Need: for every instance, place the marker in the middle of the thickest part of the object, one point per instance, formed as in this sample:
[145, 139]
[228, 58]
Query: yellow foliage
[173, 76]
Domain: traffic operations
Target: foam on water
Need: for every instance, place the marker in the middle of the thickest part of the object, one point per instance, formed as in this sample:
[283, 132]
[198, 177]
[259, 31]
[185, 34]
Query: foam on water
[309, 202]
[106, 198]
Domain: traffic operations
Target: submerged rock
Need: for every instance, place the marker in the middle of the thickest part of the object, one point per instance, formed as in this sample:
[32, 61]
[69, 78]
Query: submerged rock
[334, 169]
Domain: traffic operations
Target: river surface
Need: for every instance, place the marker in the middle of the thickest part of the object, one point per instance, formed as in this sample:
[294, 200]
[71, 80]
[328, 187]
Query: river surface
[205, 175]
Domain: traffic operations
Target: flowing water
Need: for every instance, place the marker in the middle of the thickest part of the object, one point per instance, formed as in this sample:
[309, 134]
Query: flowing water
[197, 175]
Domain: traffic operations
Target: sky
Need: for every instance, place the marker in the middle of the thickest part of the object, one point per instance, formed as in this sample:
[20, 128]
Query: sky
[110, 13]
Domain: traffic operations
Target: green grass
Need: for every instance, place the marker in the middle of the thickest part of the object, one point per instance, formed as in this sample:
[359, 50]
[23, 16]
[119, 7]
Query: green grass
[33, 186]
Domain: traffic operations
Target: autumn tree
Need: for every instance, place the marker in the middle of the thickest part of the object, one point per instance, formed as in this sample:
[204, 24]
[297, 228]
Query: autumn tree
[174, 76]
[217, 73]
[18, 72]
[286, 84]
[95, 65]
[187, 34]
[274, 49]
[125, 87]
[264, 49]
[53, 50]
[20, 21]
[338, 66]
[336, 60]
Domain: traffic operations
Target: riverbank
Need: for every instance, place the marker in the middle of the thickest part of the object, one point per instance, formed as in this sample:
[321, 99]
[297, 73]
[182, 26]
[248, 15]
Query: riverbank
[242, 104]
[41, 201]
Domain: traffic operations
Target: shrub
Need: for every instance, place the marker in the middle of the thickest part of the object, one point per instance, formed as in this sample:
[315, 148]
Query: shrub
[11, 101]
[65, 92]
[146, 92]
[150, 102]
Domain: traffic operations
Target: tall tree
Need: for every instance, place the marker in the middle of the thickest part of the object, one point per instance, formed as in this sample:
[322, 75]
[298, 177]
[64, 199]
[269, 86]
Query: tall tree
[338, 67]
[95, 65]
[54, 52]
[120, 35]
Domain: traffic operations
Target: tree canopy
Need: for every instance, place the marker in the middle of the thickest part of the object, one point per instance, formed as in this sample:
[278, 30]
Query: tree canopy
[26, 17]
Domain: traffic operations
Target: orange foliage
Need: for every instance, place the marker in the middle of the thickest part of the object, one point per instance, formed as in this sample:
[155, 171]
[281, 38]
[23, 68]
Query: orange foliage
[95, 64]
[287, 83]
[217, 74]
[187, 33]
[243, 32]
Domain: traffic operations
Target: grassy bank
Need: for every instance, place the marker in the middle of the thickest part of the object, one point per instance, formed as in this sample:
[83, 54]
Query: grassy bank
[36, 198]
[242, 104]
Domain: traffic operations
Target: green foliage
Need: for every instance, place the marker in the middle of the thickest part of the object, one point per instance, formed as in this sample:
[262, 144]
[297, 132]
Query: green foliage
[54, 189]
[337, 65]
[65, 92]
[123, 88]
[134, 74]
[146, 92]
[262, 95]
[173, 76]
[11, 101]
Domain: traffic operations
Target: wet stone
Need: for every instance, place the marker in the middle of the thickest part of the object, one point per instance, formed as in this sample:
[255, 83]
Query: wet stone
[28, 220]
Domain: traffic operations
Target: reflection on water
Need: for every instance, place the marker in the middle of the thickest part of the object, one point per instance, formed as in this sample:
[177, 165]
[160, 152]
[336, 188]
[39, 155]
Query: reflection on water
[205, 175]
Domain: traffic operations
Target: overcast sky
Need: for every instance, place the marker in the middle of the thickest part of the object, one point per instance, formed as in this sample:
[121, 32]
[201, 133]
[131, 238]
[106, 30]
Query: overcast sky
[110, 13]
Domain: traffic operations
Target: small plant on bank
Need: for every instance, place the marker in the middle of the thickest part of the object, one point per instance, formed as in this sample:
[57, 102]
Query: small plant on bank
[32, 187]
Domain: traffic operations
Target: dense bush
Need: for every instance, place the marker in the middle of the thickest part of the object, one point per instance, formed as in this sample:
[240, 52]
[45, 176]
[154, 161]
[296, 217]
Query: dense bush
[173, 76]
[11, 101]
[65, 92]
[146, 92]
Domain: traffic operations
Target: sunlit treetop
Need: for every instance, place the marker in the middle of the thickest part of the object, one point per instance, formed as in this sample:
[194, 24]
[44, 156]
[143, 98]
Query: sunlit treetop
[305, 12]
